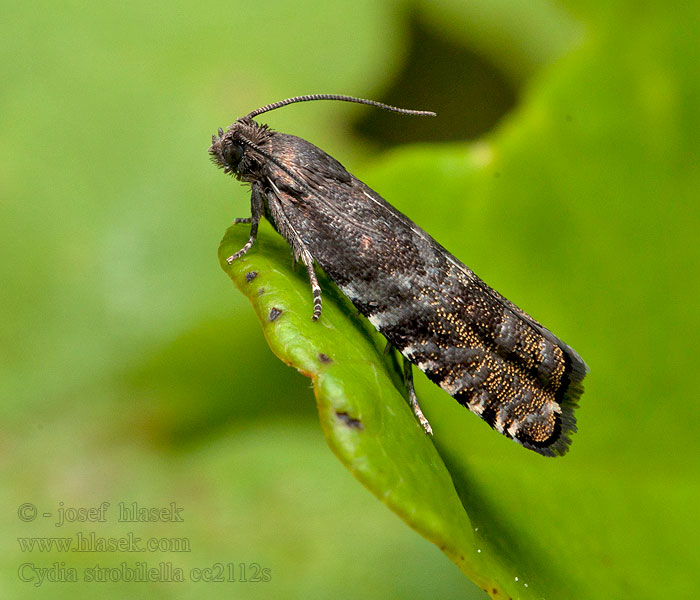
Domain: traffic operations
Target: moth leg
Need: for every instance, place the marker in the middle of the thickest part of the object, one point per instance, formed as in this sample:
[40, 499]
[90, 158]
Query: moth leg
[298, 248]
[243, 220]
[315, 288]
[256, 209]
[413, 399]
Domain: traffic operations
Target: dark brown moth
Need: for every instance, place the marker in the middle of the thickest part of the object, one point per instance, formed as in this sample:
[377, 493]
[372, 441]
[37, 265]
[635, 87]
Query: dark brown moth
[479, 347]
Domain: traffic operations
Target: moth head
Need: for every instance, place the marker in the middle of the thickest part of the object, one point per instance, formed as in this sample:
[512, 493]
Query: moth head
[227, 151]
[236, 150]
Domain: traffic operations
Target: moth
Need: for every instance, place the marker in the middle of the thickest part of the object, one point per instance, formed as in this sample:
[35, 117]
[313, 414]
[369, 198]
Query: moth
[479, 347]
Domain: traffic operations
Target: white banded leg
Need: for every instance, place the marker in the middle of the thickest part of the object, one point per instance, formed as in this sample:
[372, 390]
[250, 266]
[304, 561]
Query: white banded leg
[413, 399]
[298, 247]
[315, 288]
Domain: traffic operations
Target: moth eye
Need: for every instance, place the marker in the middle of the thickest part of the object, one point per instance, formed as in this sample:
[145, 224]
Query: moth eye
[233, 154]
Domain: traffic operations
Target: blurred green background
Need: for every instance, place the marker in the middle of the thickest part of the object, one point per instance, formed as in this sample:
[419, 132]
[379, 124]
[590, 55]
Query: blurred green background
[562, 168]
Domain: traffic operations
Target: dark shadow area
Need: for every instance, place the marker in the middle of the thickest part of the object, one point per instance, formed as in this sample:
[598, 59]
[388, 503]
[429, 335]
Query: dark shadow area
[469, 94]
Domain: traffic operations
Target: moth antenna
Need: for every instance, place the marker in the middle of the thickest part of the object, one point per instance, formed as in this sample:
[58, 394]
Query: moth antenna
[310, 97]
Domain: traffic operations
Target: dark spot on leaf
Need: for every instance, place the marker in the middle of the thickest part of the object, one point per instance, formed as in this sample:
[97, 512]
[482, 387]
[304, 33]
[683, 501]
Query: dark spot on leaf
[261, 291]
[348, 420]
[274, 313]
[495, 592]
[324, 358]
[250, 276]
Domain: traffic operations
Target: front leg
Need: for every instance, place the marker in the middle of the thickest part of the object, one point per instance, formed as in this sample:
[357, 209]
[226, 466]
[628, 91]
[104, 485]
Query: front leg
[256, 210]
[299, 249]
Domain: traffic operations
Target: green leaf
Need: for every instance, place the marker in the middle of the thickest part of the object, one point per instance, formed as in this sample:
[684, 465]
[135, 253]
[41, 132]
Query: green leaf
[365, 417]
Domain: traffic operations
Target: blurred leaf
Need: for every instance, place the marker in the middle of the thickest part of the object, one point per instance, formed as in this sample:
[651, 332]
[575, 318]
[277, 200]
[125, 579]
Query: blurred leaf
[519, 37]
[196, 384]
